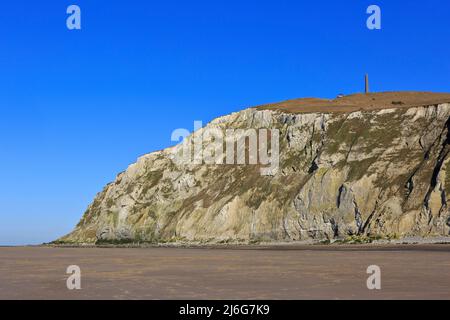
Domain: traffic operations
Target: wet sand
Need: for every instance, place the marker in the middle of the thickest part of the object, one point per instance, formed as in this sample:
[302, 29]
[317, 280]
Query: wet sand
[300, 272]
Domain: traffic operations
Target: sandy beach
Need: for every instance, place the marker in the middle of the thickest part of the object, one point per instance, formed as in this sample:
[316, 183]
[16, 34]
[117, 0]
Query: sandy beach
[282, 272]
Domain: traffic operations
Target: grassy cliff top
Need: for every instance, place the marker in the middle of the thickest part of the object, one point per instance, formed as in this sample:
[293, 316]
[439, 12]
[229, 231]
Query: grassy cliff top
[358, 102]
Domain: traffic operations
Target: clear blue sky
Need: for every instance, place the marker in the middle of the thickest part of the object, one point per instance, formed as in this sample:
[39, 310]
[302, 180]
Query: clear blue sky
[77, 107]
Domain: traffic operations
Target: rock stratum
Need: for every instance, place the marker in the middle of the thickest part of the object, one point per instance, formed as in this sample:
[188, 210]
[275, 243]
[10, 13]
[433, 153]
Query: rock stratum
[374, 165]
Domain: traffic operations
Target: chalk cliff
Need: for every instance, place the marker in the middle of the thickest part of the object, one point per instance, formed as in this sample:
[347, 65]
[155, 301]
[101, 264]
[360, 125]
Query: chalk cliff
[374, 165]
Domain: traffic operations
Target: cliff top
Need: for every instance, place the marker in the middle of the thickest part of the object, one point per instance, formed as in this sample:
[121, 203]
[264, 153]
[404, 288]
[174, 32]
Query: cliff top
[358, 102]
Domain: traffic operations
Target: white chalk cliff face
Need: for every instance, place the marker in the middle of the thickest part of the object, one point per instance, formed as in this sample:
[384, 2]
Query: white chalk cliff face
[378, 173]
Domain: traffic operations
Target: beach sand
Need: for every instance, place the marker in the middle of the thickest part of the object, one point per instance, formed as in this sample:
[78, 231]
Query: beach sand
[279, 272]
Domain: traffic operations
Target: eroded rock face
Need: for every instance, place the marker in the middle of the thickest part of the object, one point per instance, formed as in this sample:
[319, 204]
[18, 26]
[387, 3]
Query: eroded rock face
[377, 173]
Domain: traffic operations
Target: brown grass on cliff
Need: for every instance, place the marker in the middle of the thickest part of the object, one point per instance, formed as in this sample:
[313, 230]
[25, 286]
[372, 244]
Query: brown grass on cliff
[359, 102]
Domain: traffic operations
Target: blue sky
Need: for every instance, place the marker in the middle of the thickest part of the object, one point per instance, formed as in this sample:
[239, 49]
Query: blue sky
[78, 106]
